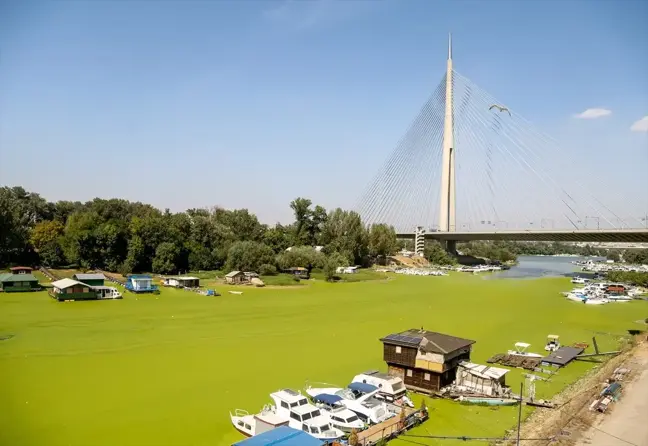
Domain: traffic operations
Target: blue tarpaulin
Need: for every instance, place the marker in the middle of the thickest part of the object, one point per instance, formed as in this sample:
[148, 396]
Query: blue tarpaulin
[362, 387]
[281, 436]
[327, 398]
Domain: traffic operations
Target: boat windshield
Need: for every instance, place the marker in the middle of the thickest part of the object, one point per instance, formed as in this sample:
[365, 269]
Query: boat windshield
[397, 386]
[351, 419]
[299, 403]
[346, 394]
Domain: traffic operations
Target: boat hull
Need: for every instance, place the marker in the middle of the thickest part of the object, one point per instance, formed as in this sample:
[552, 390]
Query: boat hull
[489, 401]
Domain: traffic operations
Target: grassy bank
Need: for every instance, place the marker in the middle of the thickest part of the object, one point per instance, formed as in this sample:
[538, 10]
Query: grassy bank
[165, 370]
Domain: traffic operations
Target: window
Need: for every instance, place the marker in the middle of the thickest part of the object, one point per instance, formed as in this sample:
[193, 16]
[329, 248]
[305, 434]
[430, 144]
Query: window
[426, 377]
[409, 372]
[306, 416]
[302, 402]
[314, 430]
[398, 349]
[304, 428]
[315, 413]
[284, 405]
[352, 419]
[294, 416]
[248, 427]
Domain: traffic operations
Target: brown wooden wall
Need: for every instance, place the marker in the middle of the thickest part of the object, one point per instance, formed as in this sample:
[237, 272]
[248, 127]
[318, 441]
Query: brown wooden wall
[407, 356]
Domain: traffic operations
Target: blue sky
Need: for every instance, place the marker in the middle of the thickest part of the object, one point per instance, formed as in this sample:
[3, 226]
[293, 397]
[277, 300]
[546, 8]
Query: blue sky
[253, 103]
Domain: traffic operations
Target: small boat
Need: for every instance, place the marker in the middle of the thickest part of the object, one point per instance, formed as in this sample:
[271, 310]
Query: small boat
[579, 280]
[553, 343]
[359, 398]
[254, 424]
[235, 292]
[521, 350]
[489, 401]
[342, 418]
[304, 416]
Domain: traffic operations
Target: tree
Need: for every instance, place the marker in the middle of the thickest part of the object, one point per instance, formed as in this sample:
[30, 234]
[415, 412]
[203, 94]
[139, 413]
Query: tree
[267, 270]
[277, 238]
[331, 263]
[343, 232]
[302, 211]
[45, 238]
[303, 256]
[614, 255]
[382, 241]
[166, 257]
[436, 255]
[248, 256]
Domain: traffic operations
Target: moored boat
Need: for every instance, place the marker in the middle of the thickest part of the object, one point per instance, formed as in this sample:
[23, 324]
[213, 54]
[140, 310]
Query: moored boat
[254, 424]
[521, 350]
[488, 401]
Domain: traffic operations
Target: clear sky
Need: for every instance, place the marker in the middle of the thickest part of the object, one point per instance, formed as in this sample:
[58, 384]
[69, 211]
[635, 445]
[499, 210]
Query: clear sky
[252, 103]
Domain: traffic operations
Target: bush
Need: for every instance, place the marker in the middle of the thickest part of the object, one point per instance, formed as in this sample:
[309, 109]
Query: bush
[267, 270]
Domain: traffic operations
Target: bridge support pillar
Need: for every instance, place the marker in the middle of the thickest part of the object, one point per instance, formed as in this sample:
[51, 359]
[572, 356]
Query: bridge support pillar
[419, 241]
[451, 247]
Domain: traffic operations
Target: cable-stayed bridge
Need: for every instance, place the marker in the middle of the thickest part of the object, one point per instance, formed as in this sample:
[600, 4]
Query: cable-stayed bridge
[468, 168]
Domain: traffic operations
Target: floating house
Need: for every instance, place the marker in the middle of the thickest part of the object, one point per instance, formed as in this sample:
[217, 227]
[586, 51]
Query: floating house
[70, 289]
[94, 279]
[299, 272]
[140, 283]
[236, 277]
[481, 379]
[425, 360]
[182, 282]
[20, 270]
[18, 282]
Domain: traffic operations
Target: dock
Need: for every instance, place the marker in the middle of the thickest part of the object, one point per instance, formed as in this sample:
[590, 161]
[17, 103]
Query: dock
[562, 356]
[391, 428]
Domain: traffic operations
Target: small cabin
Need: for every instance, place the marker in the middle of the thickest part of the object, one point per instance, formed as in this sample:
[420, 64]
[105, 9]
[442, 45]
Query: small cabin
[182, 282]
[70, 289]
[140, 283]
[481, 379]
[20, 270]
[425, 360]
[299, 272]
[12, 282]
[236, 277]
[94, 279]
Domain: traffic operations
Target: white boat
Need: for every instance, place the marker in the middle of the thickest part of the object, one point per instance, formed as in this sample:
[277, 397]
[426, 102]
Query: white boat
[579, 280]
[254, 424]
[362, 401]
[521, 350]
[390, 388]
[553, 343]
[304, 416]
[341, 417]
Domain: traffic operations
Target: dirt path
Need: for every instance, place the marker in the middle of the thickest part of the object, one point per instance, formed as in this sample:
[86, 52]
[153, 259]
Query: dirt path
[627, 424]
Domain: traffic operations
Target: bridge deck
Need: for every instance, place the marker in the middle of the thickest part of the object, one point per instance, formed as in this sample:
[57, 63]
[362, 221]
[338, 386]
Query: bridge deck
[580, 235]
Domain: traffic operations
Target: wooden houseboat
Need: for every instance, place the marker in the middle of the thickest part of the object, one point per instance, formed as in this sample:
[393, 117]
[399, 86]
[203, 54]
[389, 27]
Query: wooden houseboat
[140, 283]
[92, 279]
[70, 289]
[182, 282]
[18, 282]
[425, 360]
[236, 277]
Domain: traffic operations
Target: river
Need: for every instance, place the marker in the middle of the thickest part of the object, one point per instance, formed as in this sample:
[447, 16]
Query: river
[539, 266]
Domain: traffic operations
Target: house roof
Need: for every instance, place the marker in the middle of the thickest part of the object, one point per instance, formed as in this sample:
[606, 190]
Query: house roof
[93, 276]
[483, 371]
[20, 268]
[233, 273]
[67, 283]
[281, 436]
[184, 278]
[140, 277]
[9, 277]
[427, 341]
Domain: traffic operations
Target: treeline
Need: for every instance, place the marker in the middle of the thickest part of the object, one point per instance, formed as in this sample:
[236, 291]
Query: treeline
[123, 236]
[633, 277]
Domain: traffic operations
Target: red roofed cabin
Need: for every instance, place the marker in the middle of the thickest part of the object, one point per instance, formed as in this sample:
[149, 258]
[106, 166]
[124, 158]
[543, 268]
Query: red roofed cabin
[426, 361]
[20, 270]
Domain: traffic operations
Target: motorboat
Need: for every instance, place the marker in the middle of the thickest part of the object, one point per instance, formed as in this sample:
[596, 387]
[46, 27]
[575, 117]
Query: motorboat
[341, 417]
[390, 388]
[360, 398]
[489, 401]
[579, 280]
[553, 343]
[254, 424]
[304, 416]
[521, 350]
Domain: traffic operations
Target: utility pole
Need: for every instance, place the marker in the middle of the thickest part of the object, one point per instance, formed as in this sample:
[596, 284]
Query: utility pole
[519, 424]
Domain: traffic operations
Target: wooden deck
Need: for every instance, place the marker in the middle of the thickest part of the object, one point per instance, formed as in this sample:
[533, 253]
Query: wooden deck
[385, 429]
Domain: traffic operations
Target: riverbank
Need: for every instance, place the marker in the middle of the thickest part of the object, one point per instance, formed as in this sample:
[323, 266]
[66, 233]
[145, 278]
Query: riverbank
[572, 423]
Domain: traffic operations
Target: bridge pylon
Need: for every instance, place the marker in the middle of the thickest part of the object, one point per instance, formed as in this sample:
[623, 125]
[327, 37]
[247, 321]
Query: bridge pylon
[447, 209]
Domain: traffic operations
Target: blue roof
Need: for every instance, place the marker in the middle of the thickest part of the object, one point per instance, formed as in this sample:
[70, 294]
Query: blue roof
[327, 398]
[362, 387]
[139, 276]
[281, 436]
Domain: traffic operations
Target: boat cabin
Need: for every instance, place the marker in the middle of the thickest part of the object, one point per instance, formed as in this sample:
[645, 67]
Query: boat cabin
[481, 379]
[20, 270]
[13, 282]
[553, 343]
[425, 360]
[70, 289]
[140, 283]
[302, 414]
[182, 282]
[299, 272]
[93, 279]
[391, 388]
[339, 414]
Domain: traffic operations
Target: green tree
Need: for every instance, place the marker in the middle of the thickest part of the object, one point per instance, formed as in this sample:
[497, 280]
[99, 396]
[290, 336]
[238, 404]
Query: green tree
[303, 256]
[343, 232]
[436, 255]
[166, 257]
[382, 241]
[331, 263]
[45, 238]
[277, 238]
[248, 256]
